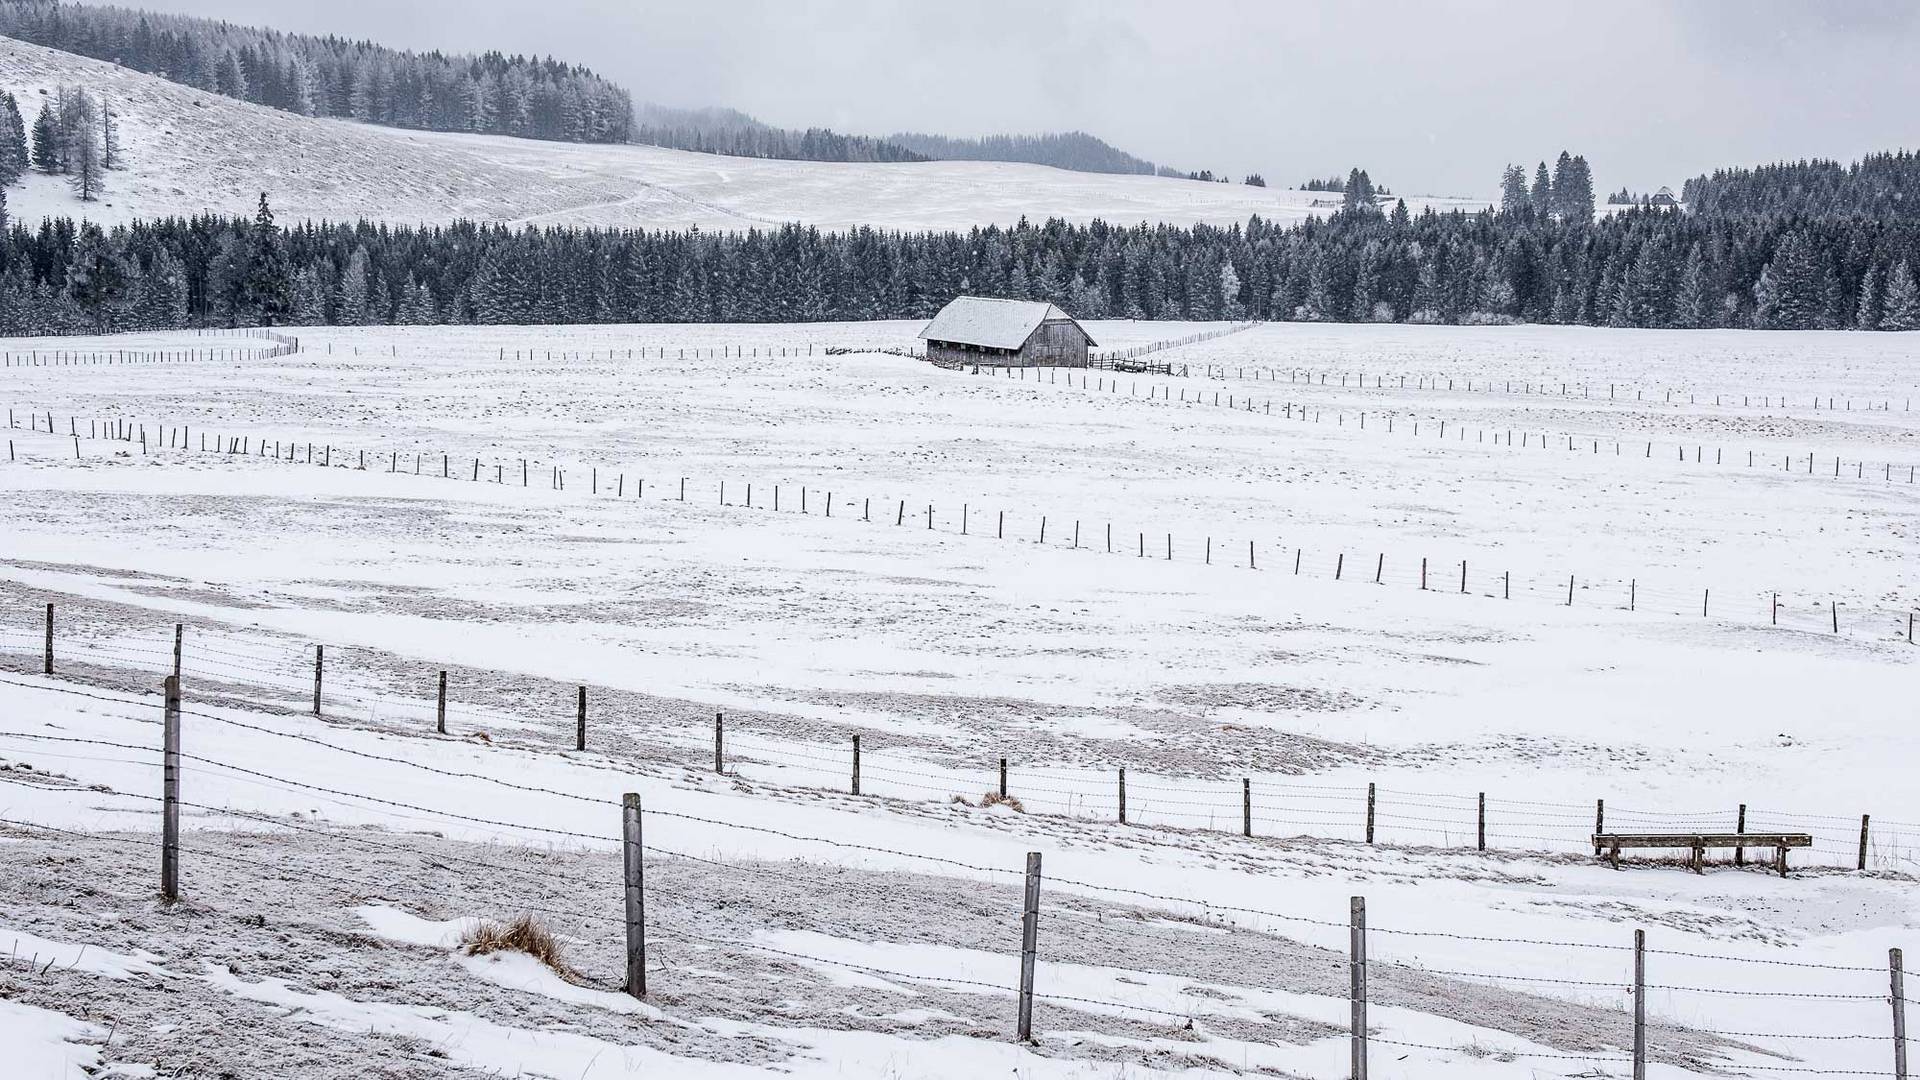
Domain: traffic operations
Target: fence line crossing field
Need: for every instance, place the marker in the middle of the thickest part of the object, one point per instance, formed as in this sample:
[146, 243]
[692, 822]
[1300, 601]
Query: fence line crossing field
[1381, 640]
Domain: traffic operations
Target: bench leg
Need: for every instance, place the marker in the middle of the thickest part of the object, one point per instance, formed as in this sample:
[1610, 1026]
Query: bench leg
[1615, 855]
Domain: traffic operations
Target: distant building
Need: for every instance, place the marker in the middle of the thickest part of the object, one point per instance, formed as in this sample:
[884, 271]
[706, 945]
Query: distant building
[1020, 333]
[1664, 197]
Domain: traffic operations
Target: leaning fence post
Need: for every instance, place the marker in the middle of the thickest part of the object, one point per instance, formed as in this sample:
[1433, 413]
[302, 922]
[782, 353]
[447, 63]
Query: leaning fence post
[170, 795]
[1896, 972]
[1370, 800]
[1029, 943]
[1864, 819]
[856, 765]
[440, 707]
[580, 722]
[1639, 1005]
[1357, 983]
[1123, 795]
[47, 668]
[635, 879]
[719, 744]
[319, 665]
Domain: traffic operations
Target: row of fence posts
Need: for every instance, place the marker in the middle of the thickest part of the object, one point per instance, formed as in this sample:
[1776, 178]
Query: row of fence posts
[558, 482]
[633, 880]
[719, 758]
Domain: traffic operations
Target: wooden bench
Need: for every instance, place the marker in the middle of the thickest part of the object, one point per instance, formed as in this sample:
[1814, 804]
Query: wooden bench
[1611, 844]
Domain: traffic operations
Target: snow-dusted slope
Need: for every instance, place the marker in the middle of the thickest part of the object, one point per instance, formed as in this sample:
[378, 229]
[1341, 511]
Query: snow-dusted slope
[190, 151]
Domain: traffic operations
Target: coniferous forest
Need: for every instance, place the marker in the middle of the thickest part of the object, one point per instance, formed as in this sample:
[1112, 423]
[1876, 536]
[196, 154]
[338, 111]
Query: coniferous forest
[330, 76]
[1636, 268]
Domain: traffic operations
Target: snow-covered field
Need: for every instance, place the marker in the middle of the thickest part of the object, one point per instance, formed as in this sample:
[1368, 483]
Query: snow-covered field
[189, 151]
[1222, 593]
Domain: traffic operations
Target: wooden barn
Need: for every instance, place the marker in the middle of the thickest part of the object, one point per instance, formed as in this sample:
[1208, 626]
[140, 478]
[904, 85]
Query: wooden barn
[1012, 333]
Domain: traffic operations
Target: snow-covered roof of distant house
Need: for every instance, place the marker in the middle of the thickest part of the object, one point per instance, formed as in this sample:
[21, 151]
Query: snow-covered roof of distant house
[993, 323]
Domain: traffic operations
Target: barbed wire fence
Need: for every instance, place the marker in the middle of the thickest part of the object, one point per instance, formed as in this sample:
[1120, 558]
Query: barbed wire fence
[1842, 994]
[309, 680]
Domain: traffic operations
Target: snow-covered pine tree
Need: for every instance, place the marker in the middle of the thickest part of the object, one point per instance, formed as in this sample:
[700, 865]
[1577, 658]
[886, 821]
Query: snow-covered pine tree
[1901, 308]
[1542, 193]
[267, 289]
[14, 151]
[46, 140]
[1866, 314]
[85, 165]
[1514, 196]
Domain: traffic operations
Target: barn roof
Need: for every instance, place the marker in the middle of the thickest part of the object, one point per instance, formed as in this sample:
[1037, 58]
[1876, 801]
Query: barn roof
[993, 323]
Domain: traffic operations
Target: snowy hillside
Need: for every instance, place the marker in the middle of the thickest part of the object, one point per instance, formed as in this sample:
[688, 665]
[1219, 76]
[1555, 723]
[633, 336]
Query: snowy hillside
[191, 151]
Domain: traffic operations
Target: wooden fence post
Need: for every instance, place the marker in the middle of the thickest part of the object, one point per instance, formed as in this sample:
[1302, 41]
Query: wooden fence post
[635, 880]
[47, 667]
[1896, 973]
[1370, 802]
[179, 635]
[580, 722]
[170, 795]
[719, 744]
[1864, 819]
[1639, 1005]
[1740, 826]
[1483, 821]
[319, 666]
[856, 765]
[1357, 983]
[1003, 778]
[1029, 945]
[1599, 822]
[1246, 807]
[1123, 795]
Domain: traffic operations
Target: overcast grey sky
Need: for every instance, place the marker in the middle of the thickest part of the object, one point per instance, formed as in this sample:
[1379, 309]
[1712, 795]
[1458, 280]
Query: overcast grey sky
[1430, 97]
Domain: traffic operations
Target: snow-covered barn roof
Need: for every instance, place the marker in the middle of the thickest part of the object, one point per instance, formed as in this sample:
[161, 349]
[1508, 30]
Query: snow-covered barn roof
[993, 323]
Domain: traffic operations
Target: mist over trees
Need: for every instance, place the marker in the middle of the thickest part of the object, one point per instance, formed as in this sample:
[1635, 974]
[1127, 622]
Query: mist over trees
[732, 132]
[330, 76]
[1075, 150]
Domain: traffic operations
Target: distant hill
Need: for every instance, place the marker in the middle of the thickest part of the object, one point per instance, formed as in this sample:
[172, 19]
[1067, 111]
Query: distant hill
[1075, 150]
[730, 131]
[1882, 187]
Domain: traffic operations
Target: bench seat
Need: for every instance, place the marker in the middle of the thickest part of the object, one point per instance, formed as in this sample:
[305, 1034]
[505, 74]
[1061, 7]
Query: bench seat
[1611, 844]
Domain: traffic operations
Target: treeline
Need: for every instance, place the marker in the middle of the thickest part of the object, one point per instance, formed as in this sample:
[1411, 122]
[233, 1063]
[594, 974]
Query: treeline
[329, 76]
[1882, 186]
[1639, 267]
[729, 131]
[1075, 150]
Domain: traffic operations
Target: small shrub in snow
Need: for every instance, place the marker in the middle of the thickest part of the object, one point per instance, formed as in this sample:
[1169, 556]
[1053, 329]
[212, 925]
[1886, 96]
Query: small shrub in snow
[525, 934]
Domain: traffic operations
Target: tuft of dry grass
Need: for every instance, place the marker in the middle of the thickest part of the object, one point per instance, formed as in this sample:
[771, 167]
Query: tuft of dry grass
[1011, 802]
[525, 934]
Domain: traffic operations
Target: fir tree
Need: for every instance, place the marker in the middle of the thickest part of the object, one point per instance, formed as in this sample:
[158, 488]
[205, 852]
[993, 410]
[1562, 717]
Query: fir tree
[267, 292]
[46, 140]
[85, 165]
[1866, 314]
[1514, 196]
[14, 151]
[1542, 193]
[1901, 308]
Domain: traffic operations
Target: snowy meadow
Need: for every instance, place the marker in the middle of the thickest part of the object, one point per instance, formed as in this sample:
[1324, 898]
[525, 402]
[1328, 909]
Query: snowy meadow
[1360, 611]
